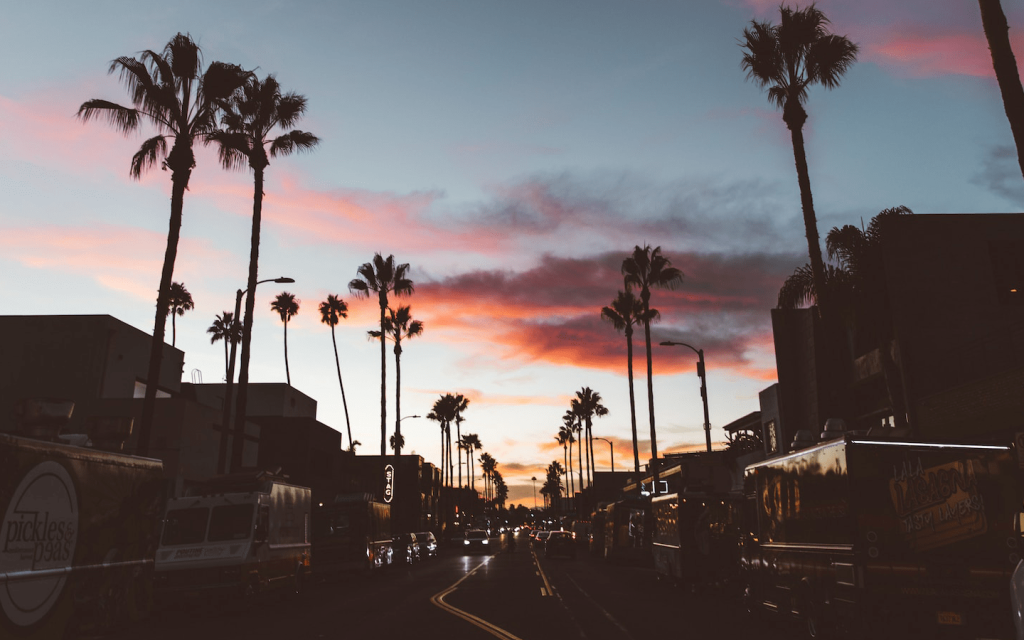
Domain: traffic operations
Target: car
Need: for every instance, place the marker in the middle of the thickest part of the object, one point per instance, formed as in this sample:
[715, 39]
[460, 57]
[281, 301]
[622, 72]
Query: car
[560, 543]
[476, 540]
[406, 548]
[541, 538]
[428, 544]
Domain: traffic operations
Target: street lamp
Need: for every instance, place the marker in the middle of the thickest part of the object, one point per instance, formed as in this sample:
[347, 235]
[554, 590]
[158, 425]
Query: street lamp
[611, 450]
[703, 385]
[240, 430]
[534, 478]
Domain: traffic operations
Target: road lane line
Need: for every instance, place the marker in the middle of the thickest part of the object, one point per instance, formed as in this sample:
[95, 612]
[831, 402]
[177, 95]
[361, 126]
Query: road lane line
[494, 630]
[544, 577]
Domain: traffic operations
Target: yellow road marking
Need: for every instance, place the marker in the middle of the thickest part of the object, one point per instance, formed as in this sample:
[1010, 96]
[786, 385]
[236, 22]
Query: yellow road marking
[494, 630]
[543, 577]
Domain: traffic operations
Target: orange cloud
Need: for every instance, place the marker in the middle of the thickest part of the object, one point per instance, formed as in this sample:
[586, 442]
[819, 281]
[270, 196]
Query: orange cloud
[926, 54]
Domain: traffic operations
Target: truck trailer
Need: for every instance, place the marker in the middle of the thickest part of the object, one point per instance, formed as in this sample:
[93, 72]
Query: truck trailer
[78, 537]
[236, 535]
[914, 538]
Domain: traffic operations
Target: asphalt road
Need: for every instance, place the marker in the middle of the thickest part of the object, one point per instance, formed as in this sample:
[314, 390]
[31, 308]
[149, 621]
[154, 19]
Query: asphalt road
[511, 596]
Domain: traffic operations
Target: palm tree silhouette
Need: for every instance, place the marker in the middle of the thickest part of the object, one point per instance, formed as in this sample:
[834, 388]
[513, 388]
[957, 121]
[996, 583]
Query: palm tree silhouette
[225, 328]
[487, 466]
[286, 306]
[644, 269]
[587, 405]
[443, 412]
[397, 441]
[251, 115]
[170, 90]
[398, 325]
[471, 442]
[563, 438]
[332, 311]
[460, 405]
[625, 311]
[382, 276]
[997, 32]
[788, 58]
[569, 428]
[179, 301]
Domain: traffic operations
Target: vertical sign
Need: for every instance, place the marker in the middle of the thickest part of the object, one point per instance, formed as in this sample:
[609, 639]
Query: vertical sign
[389, 483]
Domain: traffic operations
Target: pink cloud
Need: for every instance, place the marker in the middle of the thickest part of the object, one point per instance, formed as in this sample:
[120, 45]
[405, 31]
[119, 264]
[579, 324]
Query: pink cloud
[927, 53]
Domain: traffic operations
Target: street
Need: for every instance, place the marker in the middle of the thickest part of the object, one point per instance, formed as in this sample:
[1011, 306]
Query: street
[505, 595]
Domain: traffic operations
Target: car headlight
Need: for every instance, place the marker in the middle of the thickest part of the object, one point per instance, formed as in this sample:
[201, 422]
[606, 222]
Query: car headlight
[465, 542]
[486, 541]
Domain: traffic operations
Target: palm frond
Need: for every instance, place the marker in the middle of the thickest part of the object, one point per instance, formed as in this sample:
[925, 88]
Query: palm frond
[798, 289]
[232, 148]
[121, 118]
[292, 141]
[829, 58]
[148, 154]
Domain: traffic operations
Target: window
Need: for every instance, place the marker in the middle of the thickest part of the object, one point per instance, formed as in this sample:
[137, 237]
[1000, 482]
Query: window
[231, 522]
[185, 526]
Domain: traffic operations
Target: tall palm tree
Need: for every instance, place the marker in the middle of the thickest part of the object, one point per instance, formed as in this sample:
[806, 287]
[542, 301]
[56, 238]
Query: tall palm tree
[563, 439]
[444, 412]
[487, 466]
[251, 115]
[787, 58]
[472, 443]
[460, 405]
[997, 32]
[225, 328]
[569, 427]
[587, 405]
[625, 311]
[172, 91]
[286, 306]
[397, 442]
[644, 269]
[332, 311]
[572, 419]
[398, 325]
[382, 276]
[179, 301]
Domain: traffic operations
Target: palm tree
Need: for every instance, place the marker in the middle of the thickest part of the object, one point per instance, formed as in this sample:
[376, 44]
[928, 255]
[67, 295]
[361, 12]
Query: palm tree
[569, 427]
[572, 420]
[487, 466]
[625, 311]
[587, 405]
[647, 268]
[225, 328]
[471, 442]
[251, 115]
[787, 58]
[397, 442]
[399, 325]
[444, 412]
[382, 276]
[997, 32]
[286, 306]
[500, 489]
[563, 439]
[332, 311]
[179, 301]
[460, 405]
[170, 90]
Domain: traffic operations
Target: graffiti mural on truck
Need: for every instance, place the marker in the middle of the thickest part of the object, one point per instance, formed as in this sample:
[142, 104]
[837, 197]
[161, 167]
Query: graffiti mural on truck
[937, 505]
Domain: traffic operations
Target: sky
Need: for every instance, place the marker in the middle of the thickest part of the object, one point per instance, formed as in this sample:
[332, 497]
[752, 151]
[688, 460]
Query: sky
[513, 154]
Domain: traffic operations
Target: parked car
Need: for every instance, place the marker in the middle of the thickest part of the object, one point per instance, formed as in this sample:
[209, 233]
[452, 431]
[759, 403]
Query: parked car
[428, 544]
[541, 538]
[476, 540]
[406, 548]
[560, 543]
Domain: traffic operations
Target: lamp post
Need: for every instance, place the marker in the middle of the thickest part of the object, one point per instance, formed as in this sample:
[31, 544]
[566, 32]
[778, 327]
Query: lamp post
[703, 385]
[222, 456]
[611, 450]
[534, 478]
[397, 434]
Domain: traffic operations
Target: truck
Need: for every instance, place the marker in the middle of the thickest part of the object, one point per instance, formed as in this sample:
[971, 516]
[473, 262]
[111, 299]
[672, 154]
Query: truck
[696, 536]
[79, 535]
[870, 534]
[238, 535]
[625, 530]
[351, 533]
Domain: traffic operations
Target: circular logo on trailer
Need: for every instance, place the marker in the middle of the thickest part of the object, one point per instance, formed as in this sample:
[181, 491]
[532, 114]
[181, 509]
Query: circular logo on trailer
[38, 534]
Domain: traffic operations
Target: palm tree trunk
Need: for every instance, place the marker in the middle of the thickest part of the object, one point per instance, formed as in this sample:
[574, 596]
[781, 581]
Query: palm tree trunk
[179, 182]
[590, 454]
[174, 329]
[579, 459]
[458, 443]
[337, 363]
[398, 397]
[1005, 65]
[287, 373]
[650, 400]
[795, 116]
[632, 399]
[572, 482]
[241, 398]
[383, 381]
